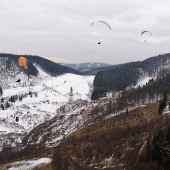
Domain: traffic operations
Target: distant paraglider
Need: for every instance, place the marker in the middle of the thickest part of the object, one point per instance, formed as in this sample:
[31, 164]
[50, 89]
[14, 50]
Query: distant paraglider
[146, 33]
[22, 61]
[143, 32]
[103, 23]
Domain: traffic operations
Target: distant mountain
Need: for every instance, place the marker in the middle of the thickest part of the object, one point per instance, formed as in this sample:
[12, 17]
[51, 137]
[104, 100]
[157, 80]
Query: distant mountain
[131, 74]
[84, 67]
[96, 70]
[10, 69]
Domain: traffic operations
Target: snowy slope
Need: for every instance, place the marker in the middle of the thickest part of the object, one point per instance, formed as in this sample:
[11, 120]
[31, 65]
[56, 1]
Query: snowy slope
[143, 80]
[10, 73]
[32, 110]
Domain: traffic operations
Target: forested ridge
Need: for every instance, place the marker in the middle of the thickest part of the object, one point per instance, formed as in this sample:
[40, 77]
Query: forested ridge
[50, 67]
[127, 75]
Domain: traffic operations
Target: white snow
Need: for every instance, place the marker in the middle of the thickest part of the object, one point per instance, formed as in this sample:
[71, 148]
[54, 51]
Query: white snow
[143, 81]
[166, 110]
[141, 149]
[52, 93]
[41, 72]
[30, 164]
[122, 111]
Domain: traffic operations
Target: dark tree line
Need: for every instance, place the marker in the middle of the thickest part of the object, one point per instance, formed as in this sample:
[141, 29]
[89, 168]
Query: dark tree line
[163, 104]
[161, 149]
[118, 78]
[126, 75]
[98, 94]
[5, 104]
[153, 91]
[9, 154]
[1, 91]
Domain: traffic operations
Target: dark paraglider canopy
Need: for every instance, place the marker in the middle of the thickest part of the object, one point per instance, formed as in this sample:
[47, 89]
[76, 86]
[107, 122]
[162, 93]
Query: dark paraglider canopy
[143, 32]
[99, 43]
[18, 80]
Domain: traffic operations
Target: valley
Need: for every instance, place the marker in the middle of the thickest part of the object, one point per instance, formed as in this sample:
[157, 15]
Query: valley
[54, 118]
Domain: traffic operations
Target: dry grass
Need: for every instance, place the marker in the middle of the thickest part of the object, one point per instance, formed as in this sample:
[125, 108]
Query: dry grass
[120, 137]
[44, 167]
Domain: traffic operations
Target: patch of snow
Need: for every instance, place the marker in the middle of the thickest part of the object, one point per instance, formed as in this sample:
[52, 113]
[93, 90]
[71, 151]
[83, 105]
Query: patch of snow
[30, 164]
[41, 72]
[122, 111]
[143, 81]
[166, 110]
[141, 149]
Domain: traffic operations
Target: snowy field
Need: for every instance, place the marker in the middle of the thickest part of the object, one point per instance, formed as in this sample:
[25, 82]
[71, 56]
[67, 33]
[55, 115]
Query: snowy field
[52, 93]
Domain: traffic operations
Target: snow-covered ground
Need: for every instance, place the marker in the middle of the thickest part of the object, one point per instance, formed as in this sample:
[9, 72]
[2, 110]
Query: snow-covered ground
[29, 164]
[143, 80]
[52, 93]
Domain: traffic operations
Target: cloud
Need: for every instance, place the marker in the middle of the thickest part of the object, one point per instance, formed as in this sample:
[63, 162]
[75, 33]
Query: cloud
[62, 28]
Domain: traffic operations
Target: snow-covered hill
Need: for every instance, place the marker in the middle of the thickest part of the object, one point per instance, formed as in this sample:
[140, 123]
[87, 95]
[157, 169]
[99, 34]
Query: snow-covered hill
[39, 102]
[10, 70]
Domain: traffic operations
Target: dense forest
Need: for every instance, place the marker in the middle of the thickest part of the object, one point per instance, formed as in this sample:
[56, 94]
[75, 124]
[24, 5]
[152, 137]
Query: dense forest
[127, 75]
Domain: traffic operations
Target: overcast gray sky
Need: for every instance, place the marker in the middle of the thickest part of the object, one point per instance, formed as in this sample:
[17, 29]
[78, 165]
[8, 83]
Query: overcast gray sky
[60, 29]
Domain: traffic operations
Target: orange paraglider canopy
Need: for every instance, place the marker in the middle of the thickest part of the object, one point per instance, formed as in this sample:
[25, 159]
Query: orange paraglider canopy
[22, 61]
